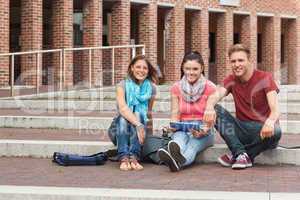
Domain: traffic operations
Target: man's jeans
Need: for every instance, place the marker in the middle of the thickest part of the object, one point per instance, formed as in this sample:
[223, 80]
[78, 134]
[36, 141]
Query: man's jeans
[191, 146]
[127, 139]
[244, 136]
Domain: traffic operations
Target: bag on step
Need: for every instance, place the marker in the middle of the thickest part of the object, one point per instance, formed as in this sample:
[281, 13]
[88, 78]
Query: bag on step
[151, 145]
[65, 159]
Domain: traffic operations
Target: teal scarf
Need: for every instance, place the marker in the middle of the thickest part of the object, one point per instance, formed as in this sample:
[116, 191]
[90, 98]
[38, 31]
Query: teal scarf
[138, 96]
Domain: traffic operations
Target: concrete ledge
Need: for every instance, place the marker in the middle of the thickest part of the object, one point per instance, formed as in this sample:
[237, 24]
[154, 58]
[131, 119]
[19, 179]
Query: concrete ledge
[262, 14]
[45, 149]
[66, 193]
[89, 93]
[110, 105]
[101, 123]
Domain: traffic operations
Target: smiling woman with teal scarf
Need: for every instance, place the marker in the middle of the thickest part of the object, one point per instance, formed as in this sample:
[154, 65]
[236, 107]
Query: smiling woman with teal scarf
[135, 97]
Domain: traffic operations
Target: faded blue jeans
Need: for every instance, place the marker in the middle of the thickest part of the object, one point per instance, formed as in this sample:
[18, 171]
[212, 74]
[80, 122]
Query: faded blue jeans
[127, 140]
[190, 146]
[244, 136]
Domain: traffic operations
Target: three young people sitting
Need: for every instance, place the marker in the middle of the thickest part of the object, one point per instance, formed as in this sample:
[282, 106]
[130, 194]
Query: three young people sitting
[194, 99]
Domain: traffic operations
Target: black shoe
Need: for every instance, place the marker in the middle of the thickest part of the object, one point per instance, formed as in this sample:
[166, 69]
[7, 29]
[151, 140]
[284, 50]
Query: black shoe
[174, 150]
[167, 159]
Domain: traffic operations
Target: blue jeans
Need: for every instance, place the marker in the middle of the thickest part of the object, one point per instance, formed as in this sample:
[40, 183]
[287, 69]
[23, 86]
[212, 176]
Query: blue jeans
[191, 146]
[244, 136]
[127, 140]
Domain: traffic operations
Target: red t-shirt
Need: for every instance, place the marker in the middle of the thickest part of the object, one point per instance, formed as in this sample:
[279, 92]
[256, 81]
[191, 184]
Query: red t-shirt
[250, 97]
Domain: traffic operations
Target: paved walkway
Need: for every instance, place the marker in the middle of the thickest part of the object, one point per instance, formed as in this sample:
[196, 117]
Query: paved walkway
[212, 177]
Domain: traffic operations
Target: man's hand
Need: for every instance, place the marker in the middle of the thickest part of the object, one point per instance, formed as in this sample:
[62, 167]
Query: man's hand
[209, 116]
[267, 130]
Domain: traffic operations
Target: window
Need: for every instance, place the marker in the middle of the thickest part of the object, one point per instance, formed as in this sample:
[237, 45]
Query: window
[212, 47]
[236, 38]
[282, 46]
[259, 48]
[78, 28]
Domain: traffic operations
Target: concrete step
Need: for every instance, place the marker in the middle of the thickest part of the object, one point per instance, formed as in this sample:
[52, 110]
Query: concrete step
[99, 135]
[97, 123]
[110, 105]
[287, 92]
[45, 149]
[97, 95]
[76, 193]
[287, 140]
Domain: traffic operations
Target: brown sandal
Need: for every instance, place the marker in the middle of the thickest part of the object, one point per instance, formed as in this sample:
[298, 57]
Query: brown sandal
[125, 165]
[135, 165]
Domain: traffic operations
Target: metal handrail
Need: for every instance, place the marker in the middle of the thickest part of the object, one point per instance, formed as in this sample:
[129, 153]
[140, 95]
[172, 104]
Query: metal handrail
[102, 47]
[62, 62]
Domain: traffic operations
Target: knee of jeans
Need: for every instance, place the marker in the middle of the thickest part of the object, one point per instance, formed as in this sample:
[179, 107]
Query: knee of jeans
[122, 124]
[219, 109]
[277, 134]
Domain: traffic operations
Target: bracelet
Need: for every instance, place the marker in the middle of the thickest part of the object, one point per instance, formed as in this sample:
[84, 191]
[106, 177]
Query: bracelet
[140, 126]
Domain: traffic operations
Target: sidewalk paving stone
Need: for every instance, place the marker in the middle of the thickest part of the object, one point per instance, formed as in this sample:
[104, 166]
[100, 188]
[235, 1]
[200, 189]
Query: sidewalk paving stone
[211, 177]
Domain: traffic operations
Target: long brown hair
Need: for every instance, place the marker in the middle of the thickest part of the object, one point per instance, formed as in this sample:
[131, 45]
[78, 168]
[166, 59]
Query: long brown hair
[194, 55]
[152, 74]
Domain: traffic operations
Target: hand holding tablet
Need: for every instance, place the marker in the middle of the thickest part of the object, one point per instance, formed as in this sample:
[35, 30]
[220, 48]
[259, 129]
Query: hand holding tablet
[186, 126]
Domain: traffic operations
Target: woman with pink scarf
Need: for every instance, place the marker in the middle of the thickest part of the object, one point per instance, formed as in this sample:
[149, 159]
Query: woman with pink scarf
[188, 101]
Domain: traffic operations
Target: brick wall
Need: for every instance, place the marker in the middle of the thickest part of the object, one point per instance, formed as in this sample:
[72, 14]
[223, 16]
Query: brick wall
[150, 24]
[92, 32]
[200, 30]
[224, 39]
[31, 38]
[148, 30]
[62, 31]
[121, 36]
[175, 42]
[4, 42]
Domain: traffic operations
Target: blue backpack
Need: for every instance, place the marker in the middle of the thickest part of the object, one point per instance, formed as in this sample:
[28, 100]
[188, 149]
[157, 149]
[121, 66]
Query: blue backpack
[65, 159]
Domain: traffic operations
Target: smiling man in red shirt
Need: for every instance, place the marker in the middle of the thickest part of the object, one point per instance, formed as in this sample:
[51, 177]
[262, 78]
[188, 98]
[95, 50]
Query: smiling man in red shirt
[255, 127]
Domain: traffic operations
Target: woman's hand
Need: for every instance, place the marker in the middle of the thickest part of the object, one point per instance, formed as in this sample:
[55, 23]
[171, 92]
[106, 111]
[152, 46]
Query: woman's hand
[201, 133]
[140, 130]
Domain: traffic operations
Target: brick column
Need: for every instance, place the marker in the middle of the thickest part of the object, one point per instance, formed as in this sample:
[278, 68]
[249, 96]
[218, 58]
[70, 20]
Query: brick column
[31, 38]
[253, 38]
[297, 66]
[200, 37]
[148, 30]
[4, 42]
[175, 41]
[224, 41]
[62, 18]
[92, 36]
[268, 43]
[121, 36]
[293, 51]
[276, 38]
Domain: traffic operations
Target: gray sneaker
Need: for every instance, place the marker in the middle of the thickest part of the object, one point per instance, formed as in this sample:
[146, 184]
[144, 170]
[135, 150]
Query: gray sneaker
[175, 152]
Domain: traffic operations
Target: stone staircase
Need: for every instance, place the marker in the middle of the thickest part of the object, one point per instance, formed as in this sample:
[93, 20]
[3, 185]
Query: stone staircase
[35, 126]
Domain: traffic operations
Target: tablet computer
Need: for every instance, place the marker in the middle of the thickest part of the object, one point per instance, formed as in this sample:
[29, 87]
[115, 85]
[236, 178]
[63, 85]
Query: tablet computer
[186, 126]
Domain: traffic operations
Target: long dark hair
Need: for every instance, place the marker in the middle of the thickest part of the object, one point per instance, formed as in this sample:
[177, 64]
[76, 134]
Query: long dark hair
[152, 74]
[194, 55]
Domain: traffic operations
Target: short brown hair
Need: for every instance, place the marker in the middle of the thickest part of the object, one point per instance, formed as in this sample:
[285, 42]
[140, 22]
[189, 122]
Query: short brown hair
[152, 74]
[239, 47]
